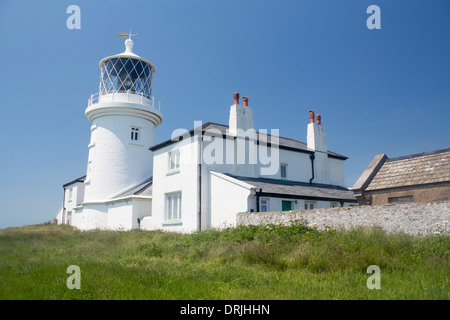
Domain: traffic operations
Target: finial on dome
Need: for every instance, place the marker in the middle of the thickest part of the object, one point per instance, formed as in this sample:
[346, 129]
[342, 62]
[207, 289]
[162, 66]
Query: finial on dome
[129, 45]
[128, 42]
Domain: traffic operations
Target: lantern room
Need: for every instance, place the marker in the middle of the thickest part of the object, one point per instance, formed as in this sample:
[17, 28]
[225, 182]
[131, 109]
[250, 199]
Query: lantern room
[126, 73]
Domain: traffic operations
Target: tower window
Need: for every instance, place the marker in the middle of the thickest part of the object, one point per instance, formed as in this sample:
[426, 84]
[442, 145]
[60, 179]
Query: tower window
[134, 134]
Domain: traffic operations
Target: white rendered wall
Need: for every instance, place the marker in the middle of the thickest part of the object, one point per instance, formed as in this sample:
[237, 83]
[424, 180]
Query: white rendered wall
[240, 118]
[116, 162]
[120, 215]
[71, 202]
[184, 180]
[93, 216]
[298, 166]
[336, 172]
[115, 215]
[227, 198]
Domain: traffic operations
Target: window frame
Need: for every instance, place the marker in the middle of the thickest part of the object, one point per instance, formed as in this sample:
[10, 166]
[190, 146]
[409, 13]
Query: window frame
[267, 204]
[135, 134]
[308, 204]
[70, 195]
[285, 165]
[176, 168]
[169, 213]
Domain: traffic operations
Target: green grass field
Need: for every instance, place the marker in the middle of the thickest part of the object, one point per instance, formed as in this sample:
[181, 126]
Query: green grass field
[273, 262]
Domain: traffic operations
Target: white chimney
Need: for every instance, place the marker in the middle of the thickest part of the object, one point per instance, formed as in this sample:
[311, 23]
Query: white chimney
[241, 117]
[317, 141]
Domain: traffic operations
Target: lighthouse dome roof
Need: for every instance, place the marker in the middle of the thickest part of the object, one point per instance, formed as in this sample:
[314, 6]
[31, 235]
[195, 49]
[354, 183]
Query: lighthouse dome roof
[128, 53]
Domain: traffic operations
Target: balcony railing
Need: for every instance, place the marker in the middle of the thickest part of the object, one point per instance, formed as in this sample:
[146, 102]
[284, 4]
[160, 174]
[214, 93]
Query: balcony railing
[124, 97]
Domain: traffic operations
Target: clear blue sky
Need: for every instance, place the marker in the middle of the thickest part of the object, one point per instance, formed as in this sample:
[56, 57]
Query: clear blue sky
[378, 91]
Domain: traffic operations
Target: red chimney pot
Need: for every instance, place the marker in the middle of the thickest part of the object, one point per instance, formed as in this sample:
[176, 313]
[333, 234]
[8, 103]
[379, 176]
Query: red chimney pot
[236, 98]
[319, 119]
[245, 99]
[311, 116]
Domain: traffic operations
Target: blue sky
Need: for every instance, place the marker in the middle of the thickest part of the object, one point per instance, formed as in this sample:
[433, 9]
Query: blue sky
[378, 91]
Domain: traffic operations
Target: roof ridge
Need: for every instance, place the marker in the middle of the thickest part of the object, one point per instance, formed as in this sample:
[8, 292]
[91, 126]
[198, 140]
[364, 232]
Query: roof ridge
[417, 155]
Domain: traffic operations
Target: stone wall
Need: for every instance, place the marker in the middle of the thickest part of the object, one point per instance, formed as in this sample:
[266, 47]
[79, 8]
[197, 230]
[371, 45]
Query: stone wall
[419, 193]
[411, 218]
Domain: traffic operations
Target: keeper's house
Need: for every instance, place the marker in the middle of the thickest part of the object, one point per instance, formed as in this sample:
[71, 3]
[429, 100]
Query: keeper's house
[198, 179]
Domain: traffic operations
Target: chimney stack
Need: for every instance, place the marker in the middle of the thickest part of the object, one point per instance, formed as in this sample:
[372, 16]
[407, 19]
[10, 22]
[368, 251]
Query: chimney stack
[241, 117]
[317, 141]
[316, 138]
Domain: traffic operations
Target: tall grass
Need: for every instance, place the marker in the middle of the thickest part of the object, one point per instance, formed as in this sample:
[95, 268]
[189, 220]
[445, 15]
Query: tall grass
[246, 262]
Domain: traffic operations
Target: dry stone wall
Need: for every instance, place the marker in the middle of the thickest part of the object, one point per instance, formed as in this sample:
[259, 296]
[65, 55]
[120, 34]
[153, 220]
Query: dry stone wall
[411, 218]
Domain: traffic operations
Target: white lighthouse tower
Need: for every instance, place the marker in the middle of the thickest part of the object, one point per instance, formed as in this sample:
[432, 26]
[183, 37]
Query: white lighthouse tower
[124, 117]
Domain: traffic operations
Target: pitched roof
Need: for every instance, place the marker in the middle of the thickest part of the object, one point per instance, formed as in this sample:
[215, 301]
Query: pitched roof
[143, 189]
[80, 179]
[368, 174]
[298, 190]
[284, 143]
[416, 169]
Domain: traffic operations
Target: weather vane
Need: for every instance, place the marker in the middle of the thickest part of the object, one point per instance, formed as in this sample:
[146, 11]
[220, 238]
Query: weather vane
[126, 34]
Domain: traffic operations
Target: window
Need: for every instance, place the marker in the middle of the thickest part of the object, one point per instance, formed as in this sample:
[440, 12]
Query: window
[126, 75]
[264, 205]
[173, 206]
[174, 160]
[333, 205]
[283, 171]
[134, 134]
[70, 194]
[310, 205]
[405, 199]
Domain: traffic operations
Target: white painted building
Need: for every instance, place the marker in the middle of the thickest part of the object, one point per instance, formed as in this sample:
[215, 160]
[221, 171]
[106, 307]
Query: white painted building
[198, 179]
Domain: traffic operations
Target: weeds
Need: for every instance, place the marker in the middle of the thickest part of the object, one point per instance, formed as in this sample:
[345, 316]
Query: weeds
[246, 262]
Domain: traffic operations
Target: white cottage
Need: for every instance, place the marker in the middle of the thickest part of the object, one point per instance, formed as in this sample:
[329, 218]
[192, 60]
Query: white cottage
[198, 179]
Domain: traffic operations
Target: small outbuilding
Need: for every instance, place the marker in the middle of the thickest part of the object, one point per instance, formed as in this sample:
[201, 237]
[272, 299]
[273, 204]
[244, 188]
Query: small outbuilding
[422, 177]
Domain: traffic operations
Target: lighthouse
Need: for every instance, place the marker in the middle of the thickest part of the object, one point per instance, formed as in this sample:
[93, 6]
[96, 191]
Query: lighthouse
[124, 117]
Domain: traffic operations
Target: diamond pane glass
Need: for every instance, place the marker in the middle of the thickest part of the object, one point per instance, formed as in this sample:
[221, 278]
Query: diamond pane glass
[126, 75]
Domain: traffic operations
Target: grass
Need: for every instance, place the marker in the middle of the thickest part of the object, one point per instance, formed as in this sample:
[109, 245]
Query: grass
[252, 262]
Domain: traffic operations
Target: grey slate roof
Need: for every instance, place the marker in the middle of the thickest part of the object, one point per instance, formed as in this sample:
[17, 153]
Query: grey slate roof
[143, 189]
[284, 143]
[416, 169]
[299, 190]
[81, 179]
